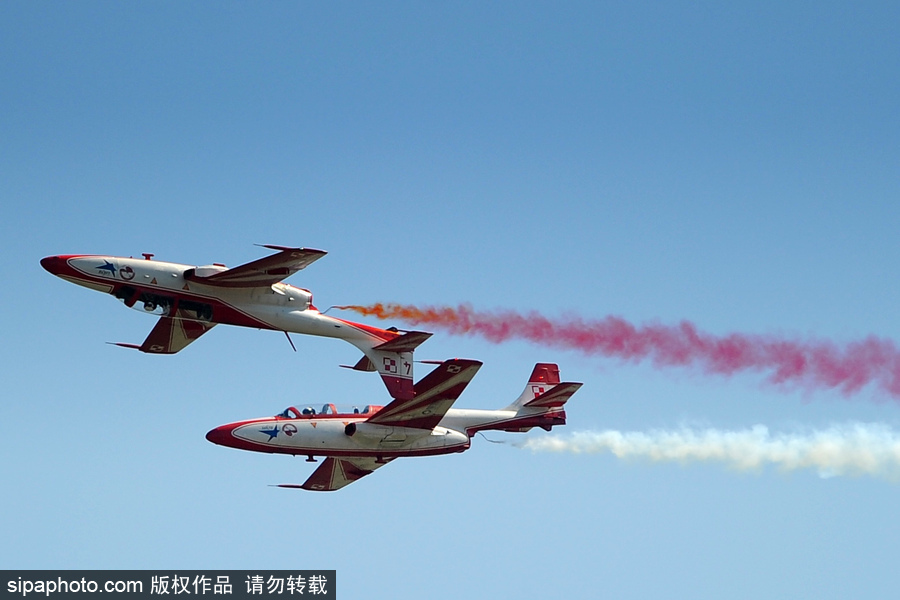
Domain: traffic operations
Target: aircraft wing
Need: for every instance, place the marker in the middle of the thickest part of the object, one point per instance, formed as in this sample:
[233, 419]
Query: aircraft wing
[335, 473]
[434, 395]
[264, 271]
[171, 335]
[407, 342]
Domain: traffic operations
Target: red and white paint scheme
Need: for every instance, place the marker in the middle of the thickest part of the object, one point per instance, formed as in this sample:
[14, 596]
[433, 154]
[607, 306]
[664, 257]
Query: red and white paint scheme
[191, 300]
[357, 443]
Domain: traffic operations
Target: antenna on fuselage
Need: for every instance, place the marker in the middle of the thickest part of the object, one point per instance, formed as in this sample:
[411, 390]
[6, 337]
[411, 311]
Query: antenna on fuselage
[288, 336]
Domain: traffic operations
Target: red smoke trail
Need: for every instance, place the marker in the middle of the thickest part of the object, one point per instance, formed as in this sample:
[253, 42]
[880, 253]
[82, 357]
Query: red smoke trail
[812, 363]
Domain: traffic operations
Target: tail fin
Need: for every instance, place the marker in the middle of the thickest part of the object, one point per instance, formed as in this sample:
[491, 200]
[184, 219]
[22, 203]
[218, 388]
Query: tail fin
[394, 362]
[541, 403]
[544, 378]
[393, 359]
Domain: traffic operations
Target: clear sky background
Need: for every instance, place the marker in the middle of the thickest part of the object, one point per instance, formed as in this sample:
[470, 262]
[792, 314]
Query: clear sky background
[736, 166]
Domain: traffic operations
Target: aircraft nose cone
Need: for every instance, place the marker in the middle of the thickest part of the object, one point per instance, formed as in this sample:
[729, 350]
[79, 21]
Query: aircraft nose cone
[220, 435]
[53, 264]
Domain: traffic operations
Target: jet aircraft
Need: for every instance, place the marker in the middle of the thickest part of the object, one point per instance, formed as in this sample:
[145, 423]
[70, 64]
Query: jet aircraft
[356, 443]
[191, 300]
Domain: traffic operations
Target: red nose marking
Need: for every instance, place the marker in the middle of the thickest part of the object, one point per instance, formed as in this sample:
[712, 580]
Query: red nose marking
[221, 435]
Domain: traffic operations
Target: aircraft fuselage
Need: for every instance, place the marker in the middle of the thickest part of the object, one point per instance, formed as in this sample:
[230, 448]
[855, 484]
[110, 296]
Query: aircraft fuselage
[191, 300]
[159, 287]
[341, 435]
[350, 434]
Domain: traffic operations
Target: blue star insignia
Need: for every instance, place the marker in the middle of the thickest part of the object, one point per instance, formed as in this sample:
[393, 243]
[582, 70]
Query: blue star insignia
[270, 432]
[107, 266]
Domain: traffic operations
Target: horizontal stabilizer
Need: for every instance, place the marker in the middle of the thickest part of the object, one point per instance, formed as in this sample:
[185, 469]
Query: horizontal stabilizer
[364, 364]
[557, 396]
[407, 342]
[125, 345]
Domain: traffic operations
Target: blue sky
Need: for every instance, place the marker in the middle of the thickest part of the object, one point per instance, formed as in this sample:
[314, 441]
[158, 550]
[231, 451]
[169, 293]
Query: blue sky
[736, 166]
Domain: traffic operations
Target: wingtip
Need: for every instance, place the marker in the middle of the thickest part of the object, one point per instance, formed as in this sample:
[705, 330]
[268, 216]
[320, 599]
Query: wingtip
[290, 248]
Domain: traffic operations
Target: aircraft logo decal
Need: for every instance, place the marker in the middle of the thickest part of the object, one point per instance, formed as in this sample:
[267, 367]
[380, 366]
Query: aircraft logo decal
[272, 433]
[289, 429]
[108, 267]
[126, 273]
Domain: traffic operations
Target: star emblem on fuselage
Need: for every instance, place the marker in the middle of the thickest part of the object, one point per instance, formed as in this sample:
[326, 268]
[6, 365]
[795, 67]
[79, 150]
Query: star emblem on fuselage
[273, 432]
[108, 266]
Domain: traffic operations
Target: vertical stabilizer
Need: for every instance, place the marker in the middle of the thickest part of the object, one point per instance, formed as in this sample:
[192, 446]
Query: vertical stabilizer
[544, 378]
[394, 362]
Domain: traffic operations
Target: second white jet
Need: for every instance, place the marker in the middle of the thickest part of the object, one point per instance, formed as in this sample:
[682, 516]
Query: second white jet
[358, 442]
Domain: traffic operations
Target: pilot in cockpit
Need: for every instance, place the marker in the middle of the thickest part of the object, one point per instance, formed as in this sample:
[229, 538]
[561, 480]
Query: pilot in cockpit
[292, 413]
[289, 413]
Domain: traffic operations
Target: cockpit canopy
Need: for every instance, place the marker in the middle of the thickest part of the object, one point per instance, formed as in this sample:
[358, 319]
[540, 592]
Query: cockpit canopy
[292, 412]
[289, 413]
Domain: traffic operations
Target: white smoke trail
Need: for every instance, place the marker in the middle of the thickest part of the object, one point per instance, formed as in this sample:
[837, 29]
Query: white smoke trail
[852, 449]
